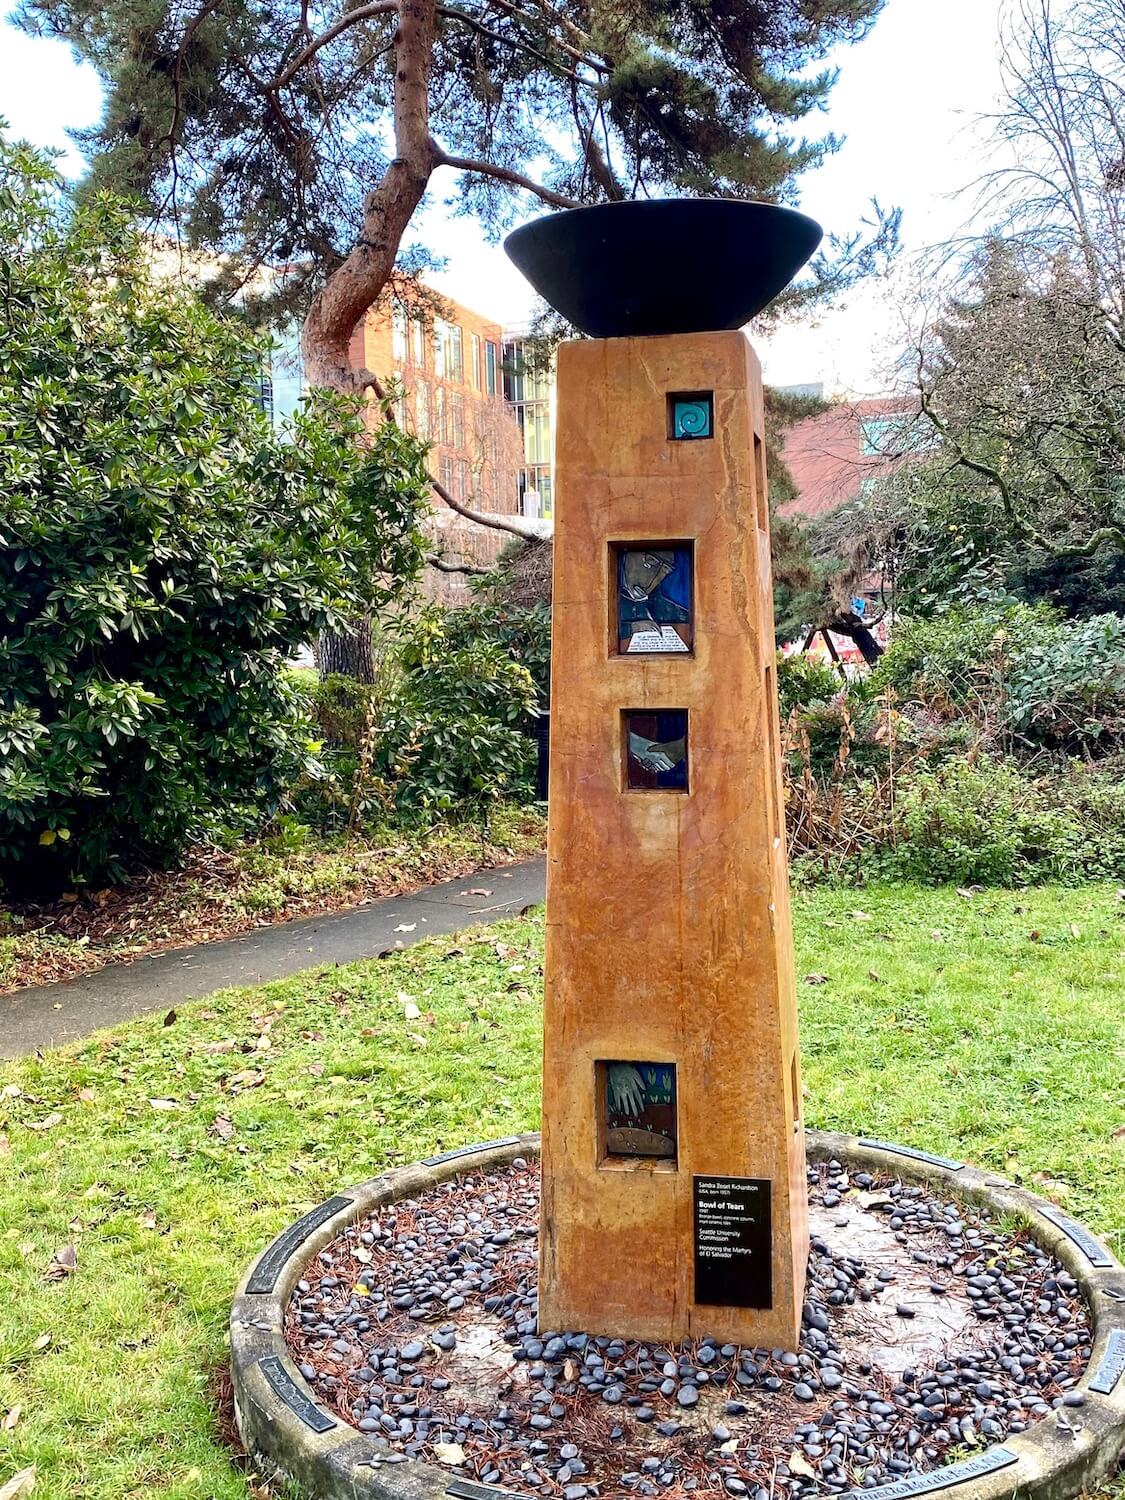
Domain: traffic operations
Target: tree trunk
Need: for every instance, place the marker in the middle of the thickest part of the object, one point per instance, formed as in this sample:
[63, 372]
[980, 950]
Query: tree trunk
[349, 653]
[356, 283]
[869, 648]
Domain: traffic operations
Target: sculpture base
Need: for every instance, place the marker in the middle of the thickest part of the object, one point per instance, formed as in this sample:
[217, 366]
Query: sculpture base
[916, 1300]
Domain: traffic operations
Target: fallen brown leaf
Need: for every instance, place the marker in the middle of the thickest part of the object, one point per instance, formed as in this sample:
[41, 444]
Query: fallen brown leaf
[49, 1123]
[19, 1485]
[1054, 1187]
[869, 1200]
[64, 1263]
[249, 1078]
[11, 1417]
[223, 1127]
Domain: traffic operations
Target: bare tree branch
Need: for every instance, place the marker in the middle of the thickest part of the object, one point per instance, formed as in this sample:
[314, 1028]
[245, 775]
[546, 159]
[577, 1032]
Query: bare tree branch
[504, 174]
[521, 526]
[444, 566]
[347, 20]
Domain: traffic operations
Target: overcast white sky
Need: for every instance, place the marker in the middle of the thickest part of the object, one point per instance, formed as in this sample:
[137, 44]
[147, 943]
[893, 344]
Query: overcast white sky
[905, 101]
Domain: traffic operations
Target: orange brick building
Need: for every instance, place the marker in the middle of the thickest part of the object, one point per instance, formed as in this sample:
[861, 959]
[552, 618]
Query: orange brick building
[450, 370]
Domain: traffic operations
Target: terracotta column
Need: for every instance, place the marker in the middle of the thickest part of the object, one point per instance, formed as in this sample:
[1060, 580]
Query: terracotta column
[674, 1200]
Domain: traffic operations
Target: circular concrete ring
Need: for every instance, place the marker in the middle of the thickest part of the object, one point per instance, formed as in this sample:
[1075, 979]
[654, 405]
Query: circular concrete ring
[291, 1435]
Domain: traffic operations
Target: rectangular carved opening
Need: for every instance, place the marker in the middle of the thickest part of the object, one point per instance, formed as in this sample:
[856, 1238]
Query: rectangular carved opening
[651, 592]
[636, 1105]
[773, 770]
[654, 749]
[761, 495]
[691, 416]
[795, 1087]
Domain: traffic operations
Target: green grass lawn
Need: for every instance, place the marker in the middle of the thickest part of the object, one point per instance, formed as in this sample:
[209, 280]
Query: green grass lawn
[167, 1155]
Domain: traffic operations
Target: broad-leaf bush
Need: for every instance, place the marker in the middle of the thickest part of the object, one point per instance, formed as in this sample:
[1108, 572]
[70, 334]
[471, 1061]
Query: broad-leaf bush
[453, 728]
[1028, 678]
[162, 551]
[522, 630]
[802, 680]
[988, 822]
[986, 748]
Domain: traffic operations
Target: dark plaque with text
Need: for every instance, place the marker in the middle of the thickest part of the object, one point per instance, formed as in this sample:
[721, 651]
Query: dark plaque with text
[732, 1242]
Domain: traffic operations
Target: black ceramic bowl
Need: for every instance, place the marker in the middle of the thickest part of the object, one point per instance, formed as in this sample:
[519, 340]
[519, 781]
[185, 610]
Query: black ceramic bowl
[663, 265]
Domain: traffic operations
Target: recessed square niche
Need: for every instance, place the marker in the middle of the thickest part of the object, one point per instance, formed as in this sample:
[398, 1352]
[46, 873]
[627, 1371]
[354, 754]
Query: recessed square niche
[637, 1111]
[655, 749]
[691, 415]
[651, 589]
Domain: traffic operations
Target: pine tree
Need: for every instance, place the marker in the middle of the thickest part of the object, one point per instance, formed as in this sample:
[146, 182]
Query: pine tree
[286, 132]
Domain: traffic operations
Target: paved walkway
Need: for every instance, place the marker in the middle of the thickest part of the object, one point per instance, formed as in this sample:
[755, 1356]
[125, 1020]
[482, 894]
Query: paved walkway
[51, 1014]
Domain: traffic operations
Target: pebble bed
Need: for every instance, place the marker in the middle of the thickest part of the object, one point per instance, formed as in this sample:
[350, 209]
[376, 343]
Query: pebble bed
[418, 1326]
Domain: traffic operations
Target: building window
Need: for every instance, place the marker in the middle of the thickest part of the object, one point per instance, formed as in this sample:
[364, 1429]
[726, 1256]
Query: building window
[491, 365]
[457, 419]
[398, 335]
[449, 363]
[454, 352]
[460, 479]
[534, 488]
[422, 409]
[437, 429]
[419, 344]
[474, 362]
[447, 475]
[264, 396]
[893, 435]
[513, 373]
